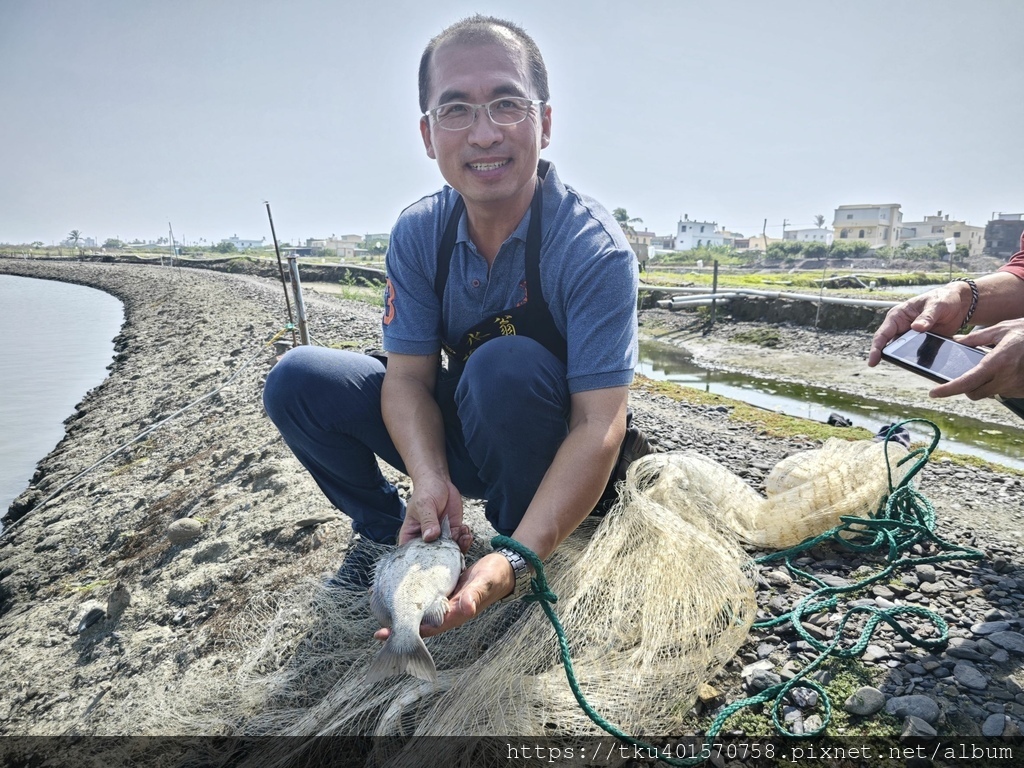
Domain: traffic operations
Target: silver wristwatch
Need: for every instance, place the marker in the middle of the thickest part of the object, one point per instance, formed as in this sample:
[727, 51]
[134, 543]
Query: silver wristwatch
[522, 571]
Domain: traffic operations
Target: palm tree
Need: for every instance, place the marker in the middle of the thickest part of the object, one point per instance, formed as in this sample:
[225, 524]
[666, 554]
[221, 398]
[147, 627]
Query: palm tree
[74, 236]
[625, 221]
[819, 221]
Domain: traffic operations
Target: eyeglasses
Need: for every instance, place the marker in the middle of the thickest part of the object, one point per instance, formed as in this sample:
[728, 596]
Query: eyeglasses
[458, 115]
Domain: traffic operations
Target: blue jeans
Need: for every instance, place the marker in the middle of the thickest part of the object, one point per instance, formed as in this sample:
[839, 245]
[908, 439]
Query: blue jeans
[505, 418]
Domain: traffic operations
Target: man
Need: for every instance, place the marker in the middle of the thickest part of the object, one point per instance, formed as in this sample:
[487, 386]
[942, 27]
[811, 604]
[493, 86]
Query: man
[531, 290]
[996, 301]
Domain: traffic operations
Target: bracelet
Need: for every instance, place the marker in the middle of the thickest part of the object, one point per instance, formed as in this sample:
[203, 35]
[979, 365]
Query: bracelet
[974, 299]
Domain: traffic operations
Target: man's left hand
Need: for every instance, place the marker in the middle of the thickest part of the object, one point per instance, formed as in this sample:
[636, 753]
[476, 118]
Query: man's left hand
[1001, 372]
[480, 586]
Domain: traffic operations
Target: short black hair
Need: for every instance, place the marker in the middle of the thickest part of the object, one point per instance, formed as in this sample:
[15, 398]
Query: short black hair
[479, 29]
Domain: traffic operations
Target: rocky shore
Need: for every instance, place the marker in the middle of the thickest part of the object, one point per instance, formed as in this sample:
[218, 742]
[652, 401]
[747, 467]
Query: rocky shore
[118, 594]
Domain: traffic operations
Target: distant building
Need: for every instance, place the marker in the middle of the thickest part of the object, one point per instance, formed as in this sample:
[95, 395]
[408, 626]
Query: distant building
[730, 238]
[661, 244]
[935, 229]
[694, 234]
[809, 235]
[344, 247]
[377, 242]
[244, 245]
[878, 225]
[759, 243]
[640, 242]
[1002, 235]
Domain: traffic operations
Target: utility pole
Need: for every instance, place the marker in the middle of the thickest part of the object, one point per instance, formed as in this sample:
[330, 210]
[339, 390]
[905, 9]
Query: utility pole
[784, 223]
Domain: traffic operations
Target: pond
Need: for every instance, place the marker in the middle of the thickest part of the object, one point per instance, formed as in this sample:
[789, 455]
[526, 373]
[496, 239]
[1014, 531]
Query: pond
[995, 443]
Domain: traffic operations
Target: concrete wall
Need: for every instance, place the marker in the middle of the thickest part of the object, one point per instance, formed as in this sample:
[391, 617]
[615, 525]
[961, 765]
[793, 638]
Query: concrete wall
[833, 317]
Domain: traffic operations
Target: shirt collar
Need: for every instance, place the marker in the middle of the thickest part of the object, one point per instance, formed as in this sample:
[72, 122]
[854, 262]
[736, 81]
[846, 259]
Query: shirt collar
[550, 183]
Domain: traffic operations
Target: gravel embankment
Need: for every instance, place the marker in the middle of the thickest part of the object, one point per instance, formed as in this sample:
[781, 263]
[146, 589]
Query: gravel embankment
[257, 523]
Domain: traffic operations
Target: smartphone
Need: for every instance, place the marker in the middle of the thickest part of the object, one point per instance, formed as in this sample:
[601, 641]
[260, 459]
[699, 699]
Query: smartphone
[939, 359]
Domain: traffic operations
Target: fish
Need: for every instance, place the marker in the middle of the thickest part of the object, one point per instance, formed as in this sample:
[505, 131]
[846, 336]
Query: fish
[411, 586]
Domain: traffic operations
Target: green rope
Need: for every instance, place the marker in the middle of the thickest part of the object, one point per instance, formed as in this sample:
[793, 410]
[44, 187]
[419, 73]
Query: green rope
[905, 519]
[542, 594]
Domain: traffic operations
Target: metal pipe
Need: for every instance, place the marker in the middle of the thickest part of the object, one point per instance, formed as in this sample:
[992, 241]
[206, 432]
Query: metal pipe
[686, 297]
[300, 307]
[826, 299]
[714, 289]
[280, 268]
[721, 299]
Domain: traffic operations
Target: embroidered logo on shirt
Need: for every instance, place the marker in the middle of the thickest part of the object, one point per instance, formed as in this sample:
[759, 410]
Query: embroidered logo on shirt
[526, 294]
[389, 302]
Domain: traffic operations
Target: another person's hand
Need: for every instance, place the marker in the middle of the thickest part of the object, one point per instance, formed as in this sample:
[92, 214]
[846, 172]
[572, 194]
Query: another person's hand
[940, 310]
[1001, 372]
[431, 500]
[481, 585]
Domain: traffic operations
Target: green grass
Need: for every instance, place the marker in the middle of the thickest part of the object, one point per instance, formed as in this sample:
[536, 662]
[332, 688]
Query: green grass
[798, 280]
[761, 337]
[361, 290]
[768, 423]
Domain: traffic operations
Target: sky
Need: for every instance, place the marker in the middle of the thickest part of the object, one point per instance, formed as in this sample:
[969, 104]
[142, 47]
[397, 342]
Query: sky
[120, 117]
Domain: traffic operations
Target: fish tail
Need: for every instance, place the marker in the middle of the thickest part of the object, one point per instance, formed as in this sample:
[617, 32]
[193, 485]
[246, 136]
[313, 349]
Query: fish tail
[403, 652]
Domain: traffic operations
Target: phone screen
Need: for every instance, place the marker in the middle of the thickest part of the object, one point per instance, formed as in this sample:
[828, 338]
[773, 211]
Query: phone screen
[943, 357]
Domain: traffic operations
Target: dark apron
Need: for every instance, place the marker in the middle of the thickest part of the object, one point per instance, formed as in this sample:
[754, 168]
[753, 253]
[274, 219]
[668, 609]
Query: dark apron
[531, 319]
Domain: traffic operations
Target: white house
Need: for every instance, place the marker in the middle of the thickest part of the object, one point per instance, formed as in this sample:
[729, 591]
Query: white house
[809, 235]
[935, 229]
[694, 234]
[879, 225]
[244, 245]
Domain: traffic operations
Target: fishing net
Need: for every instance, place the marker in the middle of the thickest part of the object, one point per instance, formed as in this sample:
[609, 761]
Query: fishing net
[654, 598]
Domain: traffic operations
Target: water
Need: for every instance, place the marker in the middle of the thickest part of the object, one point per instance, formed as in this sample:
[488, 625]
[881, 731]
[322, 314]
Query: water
[59, 341]
[998, 444]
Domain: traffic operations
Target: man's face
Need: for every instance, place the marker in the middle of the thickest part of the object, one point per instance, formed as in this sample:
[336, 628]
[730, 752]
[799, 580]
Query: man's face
[488, 164]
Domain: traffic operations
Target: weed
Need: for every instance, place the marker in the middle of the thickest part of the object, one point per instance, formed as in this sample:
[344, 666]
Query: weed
[761, 337]
[87, 588]
[366, 291]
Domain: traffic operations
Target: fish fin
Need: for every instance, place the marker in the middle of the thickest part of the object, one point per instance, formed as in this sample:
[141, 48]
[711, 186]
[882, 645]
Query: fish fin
[402, 653]
[446, 528]
[379, 607]
[434, 615]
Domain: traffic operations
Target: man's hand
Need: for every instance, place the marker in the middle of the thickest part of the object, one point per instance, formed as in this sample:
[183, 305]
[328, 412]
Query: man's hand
[941, 310]
[1001, 372]
[480, 586]
[431, 500]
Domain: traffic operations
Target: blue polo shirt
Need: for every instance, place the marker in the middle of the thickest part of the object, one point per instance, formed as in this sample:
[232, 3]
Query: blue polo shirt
[588, 275]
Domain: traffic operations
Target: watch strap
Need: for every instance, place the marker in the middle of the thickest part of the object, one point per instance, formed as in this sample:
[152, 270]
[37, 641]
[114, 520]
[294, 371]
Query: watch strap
[520, 569]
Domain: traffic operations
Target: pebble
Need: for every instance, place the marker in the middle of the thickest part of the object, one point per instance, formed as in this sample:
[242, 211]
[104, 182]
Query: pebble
[1010, 641]
[925, 572]
[865, 701]
[778, 578]
[915, 705]
[805, 698]
[969, 676]
[988, 627]
[915, 728]
[994, 726]
[812, 723]
[874, 653]
[184, 530]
